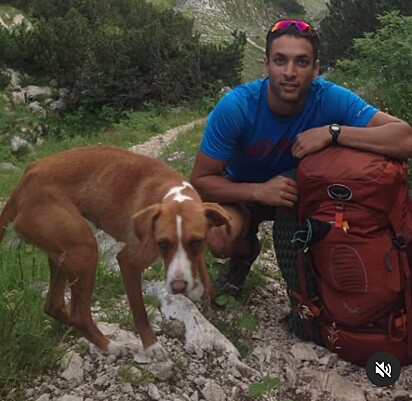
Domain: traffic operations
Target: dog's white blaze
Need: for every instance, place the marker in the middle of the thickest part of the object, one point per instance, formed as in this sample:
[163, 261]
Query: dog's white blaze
[180, 266]
[177, 192]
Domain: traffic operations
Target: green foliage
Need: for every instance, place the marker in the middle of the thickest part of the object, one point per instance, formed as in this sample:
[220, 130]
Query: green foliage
[238, 325]
[154, 272]
[264, 387]
[349, 19]
[28, 338]
[163, 3]
[58, 47]
[15, 121]
[120, 53]
[214, 61]
[382, 65]
[82, 122]
[131, 375]
[152, 300]
[4, 80]
[290, 7]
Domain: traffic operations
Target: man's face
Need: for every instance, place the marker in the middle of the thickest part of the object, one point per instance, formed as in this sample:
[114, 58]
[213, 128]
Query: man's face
[291, 68]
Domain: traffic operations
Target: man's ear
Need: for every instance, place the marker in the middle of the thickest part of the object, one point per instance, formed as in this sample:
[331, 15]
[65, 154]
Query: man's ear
[316, 69]
[217, 216]
[145, 220]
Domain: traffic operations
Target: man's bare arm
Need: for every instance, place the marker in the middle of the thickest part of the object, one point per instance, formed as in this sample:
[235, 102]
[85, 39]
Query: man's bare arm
[384, 134]
[207, 179]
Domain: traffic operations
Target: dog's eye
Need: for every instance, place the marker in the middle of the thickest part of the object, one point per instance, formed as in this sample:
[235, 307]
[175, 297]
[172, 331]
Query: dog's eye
[163, 245]
[195, 244]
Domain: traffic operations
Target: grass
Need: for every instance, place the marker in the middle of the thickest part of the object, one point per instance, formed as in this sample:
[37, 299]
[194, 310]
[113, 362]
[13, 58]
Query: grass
[130, 129]
[253, 60]
[163, 4]
[29, 340]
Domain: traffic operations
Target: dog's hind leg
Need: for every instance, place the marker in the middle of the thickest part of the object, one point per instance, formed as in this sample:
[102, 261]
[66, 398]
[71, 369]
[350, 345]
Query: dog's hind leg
[55, 305]
[53, 223]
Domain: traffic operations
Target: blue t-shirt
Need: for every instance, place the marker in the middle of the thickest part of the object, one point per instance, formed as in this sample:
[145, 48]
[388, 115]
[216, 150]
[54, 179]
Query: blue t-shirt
[243, 130]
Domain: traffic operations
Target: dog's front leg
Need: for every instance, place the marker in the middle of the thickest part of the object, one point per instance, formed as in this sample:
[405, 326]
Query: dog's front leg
[205, 279]
[132, 281]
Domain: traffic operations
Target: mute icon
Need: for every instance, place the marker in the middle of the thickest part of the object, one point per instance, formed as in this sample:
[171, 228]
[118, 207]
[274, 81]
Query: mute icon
[383, 369]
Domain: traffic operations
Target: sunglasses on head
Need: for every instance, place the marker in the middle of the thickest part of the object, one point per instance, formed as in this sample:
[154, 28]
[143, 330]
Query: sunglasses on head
[300, 25]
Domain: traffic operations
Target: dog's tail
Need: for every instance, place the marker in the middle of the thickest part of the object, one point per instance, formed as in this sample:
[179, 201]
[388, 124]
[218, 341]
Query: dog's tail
[7, 216]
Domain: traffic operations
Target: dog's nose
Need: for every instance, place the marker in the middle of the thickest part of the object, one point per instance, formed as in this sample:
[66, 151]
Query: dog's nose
[178, 286]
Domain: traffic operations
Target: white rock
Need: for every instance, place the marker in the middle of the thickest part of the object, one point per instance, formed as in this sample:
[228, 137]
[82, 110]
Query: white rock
[339, 388]
[44, 397]
[213, 391]
[200, 333]
[72, 364]
[17, 143]
[36, 108]
[70, 398]
[33, 91]
[7, 166]
[303, 352]
[153, 392]
[18, 97]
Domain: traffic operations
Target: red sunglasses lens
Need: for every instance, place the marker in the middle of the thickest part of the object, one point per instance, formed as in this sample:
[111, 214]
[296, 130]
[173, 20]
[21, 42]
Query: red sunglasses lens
[302, 26]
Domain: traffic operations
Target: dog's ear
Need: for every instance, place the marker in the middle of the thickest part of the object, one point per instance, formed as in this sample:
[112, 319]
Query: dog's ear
[217, 216]
[144, 221]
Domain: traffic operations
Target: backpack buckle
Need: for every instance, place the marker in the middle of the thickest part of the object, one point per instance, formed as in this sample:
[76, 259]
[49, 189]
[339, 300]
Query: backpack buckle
[305, 312]
[398, 242]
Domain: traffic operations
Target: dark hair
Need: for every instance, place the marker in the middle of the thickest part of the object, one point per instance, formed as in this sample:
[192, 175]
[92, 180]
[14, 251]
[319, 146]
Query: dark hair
[292, 30]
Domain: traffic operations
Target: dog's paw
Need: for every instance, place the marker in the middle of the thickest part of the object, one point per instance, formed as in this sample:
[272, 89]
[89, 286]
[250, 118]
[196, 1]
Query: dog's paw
[118, 350]
[156, 352]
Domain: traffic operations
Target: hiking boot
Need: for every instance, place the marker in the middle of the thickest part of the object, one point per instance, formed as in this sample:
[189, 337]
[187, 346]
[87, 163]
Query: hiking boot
[232, 280]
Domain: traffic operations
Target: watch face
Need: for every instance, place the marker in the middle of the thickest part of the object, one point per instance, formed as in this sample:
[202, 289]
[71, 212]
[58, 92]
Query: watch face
[335, 128]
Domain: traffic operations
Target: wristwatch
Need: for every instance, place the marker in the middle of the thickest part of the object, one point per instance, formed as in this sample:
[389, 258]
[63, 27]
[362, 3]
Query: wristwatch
[334, 130]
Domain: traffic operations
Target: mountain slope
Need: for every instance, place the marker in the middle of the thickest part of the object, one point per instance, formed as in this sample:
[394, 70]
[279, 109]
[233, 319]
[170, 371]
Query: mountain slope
[216, 19]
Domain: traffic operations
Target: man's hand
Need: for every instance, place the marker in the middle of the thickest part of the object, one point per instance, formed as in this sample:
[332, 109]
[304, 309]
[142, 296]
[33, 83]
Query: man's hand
[310, 141]
[278, 191]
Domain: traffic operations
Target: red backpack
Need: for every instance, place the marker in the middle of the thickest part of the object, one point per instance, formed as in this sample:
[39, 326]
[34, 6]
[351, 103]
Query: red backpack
[355, 214]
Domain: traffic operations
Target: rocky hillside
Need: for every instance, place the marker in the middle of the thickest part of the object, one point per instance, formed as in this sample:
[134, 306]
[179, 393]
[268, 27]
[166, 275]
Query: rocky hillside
[216, 19]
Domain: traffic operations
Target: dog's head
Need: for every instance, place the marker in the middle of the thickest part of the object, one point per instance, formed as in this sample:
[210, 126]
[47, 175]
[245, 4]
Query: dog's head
[177, 232]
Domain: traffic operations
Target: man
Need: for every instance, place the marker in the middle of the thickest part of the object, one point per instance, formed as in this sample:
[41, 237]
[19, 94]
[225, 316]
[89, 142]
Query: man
[258, 132]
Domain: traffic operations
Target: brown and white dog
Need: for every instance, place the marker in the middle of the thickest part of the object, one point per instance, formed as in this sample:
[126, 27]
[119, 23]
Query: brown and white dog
[137, 200]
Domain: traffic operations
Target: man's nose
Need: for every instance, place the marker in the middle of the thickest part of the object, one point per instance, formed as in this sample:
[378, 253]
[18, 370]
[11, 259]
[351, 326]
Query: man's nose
[290, 70]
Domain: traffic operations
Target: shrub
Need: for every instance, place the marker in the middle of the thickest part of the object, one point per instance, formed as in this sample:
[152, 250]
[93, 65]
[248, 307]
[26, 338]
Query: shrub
[382, 64]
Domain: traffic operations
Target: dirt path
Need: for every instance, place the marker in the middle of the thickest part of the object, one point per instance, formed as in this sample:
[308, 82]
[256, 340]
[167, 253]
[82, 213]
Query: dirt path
[255, 44]
[158, 143]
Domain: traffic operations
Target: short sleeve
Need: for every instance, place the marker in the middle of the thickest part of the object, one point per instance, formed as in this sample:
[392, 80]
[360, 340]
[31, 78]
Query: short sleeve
[347, 107]
[225, 124]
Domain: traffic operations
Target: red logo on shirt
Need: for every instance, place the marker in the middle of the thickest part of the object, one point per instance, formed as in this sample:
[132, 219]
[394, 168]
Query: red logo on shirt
[265, 147]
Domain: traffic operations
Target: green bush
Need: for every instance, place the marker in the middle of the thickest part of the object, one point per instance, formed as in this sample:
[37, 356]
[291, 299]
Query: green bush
[4, 80]
[381, 65]
[349, 19]
[121, 54]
